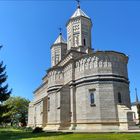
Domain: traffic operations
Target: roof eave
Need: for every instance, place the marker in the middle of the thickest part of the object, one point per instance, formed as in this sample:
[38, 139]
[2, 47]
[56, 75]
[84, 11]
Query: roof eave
[77, 18]
[58, 44]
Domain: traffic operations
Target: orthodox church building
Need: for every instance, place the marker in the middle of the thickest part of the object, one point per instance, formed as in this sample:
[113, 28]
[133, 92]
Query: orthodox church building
[83, 89]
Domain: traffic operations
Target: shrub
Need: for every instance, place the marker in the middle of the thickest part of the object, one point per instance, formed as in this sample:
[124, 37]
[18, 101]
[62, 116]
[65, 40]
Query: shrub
[37, 130]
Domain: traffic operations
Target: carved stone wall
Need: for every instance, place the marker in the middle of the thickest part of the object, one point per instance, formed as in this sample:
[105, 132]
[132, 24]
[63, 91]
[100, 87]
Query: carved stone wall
[100, 64]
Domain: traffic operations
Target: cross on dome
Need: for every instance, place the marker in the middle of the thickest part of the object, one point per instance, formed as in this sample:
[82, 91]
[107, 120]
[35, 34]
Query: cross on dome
[60, 29]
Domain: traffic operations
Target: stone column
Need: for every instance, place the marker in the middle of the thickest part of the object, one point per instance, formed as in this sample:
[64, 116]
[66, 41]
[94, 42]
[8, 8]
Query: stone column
[73, 107]
[45, 111]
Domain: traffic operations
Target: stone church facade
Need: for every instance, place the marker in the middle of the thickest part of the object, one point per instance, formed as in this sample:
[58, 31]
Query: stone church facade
[84, 89]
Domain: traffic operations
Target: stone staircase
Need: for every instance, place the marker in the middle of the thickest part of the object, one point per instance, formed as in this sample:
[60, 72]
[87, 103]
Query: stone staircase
[125, 115]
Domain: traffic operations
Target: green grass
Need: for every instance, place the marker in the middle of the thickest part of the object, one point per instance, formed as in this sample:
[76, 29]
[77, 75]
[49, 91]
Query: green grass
[13, 134]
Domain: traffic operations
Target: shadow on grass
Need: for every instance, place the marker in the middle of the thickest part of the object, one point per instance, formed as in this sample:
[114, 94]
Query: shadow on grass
[18, 135]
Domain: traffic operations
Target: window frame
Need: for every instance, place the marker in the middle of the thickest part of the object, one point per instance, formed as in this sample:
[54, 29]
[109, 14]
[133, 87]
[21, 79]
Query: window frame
[48, 104]
[119, 98]
[92, 97]
[84, 41]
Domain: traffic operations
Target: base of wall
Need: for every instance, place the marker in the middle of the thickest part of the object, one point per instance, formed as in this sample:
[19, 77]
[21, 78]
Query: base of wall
[93, 126]
[121, 127]
[127, 125]
[52, 127]
[34, 126]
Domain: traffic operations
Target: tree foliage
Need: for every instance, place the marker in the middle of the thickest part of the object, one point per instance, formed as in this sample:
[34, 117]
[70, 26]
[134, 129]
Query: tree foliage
[18, 110]
[4, 92]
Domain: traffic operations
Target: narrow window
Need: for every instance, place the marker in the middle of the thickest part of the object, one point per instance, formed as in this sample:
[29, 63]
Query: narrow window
[48, 103]
[76, 41]
[57, 59]
[41, 107]
[92, 97]
[119, 98]
[84, 42]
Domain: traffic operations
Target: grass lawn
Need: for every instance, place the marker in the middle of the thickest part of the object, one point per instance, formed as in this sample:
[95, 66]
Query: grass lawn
[13, 134]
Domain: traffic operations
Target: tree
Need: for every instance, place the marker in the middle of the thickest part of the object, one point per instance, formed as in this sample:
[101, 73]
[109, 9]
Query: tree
[18, 110]
[4, 92]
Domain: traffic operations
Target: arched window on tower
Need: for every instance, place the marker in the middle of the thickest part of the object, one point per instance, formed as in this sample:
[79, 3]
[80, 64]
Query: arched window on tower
[57, 59]
[84, 41]
[119, 98]
[76, 40]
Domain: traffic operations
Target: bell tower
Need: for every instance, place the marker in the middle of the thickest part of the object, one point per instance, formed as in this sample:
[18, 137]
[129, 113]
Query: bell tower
[79, 31]
[58, 50]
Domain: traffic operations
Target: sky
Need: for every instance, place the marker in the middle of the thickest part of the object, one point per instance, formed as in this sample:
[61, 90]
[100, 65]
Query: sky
[28, 29]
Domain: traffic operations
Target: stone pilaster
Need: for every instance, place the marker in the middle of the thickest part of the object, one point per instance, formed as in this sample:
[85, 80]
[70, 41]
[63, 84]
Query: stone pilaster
[73, 107]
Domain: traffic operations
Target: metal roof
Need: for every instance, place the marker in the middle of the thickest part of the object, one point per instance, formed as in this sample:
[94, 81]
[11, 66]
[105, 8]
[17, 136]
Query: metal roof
[78, 13]
[60, 39]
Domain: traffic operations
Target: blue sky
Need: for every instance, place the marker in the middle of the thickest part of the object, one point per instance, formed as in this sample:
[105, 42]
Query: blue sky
[28, 28]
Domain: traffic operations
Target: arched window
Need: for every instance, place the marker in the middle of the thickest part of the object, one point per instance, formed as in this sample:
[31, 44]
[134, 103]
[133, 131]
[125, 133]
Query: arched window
[119, 98]
[76, 41]
[84, 42]
[92, 97]
[48, 104]
[57, 59]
